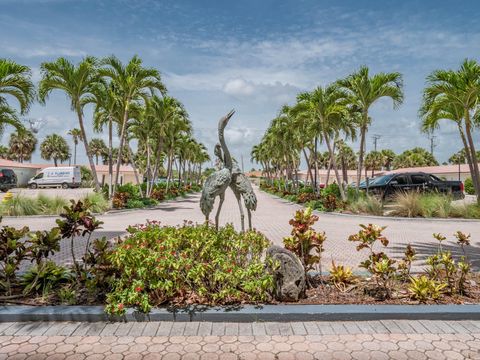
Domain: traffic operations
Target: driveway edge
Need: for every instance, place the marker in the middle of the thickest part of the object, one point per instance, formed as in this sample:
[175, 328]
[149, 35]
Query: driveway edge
[246, 313]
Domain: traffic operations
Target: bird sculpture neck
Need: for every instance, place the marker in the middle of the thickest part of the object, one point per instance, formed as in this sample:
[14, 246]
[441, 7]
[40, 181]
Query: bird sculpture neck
[227, 159]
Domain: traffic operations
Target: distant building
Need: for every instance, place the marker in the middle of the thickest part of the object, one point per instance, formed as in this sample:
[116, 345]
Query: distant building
[25, 171]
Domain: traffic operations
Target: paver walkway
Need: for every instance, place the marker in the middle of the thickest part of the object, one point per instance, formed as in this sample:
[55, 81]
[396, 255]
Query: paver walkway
[272, 218]
[194, 340]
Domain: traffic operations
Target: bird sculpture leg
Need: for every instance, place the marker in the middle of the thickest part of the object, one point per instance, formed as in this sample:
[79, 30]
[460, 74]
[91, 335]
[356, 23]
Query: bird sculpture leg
[217, 216]
[242, 216]
[249, 213]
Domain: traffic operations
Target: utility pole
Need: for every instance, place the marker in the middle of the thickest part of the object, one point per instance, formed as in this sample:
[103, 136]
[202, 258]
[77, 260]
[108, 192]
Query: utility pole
[375, 139]
[432, 143]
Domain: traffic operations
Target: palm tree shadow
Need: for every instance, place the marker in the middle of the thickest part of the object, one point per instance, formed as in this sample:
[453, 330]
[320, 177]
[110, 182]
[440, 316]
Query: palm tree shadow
[425, 250]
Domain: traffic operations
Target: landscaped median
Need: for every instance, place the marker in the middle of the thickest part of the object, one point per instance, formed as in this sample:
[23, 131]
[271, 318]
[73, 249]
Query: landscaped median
[127, 196]
[196, 266]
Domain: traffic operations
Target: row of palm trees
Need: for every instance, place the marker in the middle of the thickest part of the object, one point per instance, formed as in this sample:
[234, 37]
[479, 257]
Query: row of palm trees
[128, 100]
[338, 112]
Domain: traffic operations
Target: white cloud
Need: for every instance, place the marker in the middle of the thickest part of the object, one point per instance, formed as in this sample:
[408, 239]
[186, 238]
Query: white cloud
[238, 87]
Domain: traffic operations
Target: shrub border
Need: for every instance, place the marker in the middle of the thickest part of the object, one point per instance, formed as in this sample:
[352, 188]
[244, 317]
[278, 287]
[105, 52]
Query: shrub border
[246, 313]
[395, 218]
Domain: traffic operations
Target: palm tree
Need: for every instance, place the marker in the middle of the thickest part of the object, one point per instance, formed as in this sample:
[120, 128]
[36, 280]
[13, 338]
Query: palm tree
[15, 81]
[22, 145]
[76, 81]
[108, 109]
[388, 157]
[363, 91]
[54, 147]
[454, 95]
[76, 135]
[98, 148]
[134, 82]
[4, 152]
[326, 107]
[414, 158]
[373, 161]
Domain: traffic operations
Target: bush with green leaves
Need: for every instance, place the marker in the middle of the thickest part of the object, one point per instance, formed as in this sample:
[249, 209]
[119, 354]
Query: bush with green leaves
[469, 188]
[42, 278]
[378, 264]
[188, 264]
[304, 241]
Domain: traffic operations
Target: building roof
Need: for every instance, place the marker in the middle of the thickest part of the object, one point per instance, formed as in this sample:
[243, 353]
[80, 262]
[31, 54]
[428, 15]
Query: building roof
[18, 165]
[441, 169]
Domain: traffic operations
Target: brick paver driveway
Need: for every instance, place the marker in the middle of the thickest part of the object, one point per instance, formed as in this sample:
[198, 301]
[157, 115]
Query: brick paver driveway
[272, 218]
[300, 340]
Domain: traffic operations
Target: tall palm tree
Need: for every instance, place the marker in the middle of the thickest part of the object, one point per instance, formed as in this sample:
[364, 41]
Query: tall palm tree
[363, 91]
[15, 81]
[76, 135]
[455, 95]
[388, 158]
[326, 106]
[76, 81]
[22, 145]
[98, 148]
[55, 148]
[134, 83]
[108, 110]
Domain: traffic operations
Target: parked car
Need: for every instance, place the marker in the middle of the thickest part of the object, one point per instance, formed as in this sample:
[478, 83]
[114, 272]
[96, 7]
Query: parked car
[66, 177]
[386, 186]
[8, 179]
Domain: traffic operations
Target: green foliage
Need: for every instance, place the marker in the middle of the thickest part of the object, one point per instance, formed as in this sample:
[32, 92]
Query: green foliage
[97, 202]
[76, 221]
[50, 205]
[341, 275]
[378, 263]
[407, 204]
[443, 268]
[366, 205]
[67, 295]
[469, 188]
[304, 241]
[331, 189]
[405, 265]
[45, 276]
[134, 204]
[20, 205]
[188, 264]
[423, 289]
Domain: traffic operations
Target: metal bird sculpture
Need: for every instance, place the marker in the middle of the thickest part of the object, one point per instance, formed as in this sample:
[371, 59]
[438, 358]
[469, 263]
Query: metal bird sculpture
[242, 188]
[218, 182]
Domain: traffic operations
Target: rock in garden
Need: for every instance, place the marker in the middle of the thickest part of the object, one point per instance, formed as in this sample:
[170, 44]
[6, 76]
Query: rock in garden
[289, 276]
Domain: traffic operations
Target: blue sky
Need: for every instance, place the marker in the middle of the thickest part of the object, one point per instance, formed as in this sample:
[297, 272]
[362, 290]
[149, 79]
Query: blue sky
[253, 56]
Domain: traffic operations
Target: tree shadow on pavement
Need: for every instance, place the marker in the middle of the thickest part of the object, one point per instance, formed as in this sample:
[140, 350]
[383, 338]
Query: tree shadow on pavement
[425, 250]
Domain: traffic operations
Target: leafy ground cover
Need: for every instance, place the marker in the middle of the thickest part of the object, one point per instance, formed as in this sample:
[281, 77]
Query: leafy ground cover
[195, 264]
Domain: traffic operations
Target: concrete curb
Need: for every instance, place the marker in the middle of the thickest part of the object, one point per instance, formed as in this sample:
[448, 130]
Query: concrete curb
[376, 217]
[247, 313]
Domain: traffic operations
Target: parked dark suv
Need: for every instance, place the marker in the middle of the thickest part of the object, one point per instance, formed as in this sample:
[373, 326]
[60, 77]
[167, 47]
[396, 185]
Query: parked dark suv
[386, 186]
[8, 179]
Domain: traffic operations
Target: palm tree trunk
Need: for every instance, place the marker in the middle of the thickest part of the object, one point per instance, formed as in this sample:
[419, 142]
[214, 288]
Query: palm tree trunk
[132, 161]
[334, 164]
[87, 150]
[75, 153]
[120, 147]
[149, 174]
[110, 156]
[309, 169]
[363, 130]
[55, 162]
[473, 155]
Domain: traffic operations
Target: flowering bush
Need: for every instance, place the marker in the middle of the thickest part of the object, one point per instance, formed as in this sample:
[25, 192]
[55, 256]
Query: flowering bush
[188, 264]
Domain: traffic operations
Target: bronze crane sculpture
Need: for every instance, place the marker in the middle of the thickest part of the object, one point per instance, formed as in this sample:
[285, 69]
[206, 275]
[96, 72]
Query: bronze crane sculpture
[216, 184]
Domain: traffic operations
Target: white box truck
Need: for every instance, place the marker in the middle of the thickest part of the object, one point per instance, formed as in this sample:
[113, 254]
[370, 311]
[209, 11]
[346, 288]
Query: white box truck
[66, 177]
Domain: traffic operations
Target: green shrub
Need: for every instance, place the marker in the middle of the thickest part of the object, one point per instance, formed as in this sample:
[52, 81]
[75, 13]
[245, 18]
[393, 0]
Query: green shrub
[435, 205]
[42, 278]
[332, 189]
[97, 201]
[366, 205]
[407, 204]
[469, 189]
[20, 205]
[134, 204]
[188, 264]
[51, 205]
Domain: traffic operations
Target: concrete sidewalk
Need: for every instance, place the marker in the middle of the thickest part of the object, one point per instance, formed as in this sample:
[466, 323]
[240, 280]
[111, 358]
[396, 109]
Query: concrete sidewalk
[202, 340]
